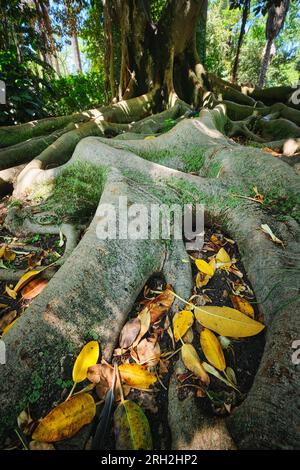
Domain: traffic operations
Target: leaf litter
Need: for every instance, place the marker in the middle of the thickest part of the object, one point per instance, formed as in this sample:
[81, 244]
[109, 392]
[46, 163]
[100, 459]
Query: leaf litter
[216, 336]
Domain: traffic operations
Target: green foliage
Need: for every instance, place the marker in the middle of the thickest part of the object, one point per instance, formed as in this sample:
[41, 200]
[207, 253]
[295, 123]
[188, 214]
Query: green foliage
[75, 93]
[223, 29]
[23, 67]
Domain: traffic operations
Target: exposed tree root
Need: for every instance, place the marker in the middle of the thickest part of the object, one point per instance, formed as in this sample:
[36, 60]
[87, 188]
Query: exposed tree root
[92, 293]
[70, 232]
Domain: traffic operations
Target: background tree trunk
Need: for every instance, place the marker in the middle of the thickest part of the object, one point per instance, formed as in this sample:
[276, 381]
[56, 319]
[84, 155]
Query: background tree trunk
[246, 10]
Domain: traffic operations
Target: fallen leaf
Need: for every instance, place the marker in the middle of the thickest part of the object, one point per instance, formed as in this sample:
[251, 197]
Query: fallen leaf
[145, 319]
[222, 256]
[66, 419]
[148, 352]
[161, 304]
[229, 372]
[131, 427]
[192, 362]
[34, 288]
[136, 376]
[189, 336]
[266, 229]
[8, 327]
[129, 333]
[202, 280]
[102, 375]
[11, 292]
[7, 254]
[204, 267]
[211, 370]
[227, 321]
[7, 319]
[87, 357]
[101, 430]
[242, 305]
[182, 321]
[212, 349]
[24, 279]
[37, 445]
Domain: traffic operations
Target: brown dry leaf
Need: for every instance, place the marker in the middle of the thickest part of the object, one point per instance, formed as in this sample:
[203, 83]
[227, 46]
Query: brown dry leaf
[148, 352]
[66, 419]
[266, 229]
[212, 349]
[242, 305]
[258, 197]
[189, 336]
[34, 288]
[102, 375]
[7, 319]
[24, 279]
[161, 304]
[37, 445]
[129, 333]
[136, 376]
[145, 319]
[192, 362]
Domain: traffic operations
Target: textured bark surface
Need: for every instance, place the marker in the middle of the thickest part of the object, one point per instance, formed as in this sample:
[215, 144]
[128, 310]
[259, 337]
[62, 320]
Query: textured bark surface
[93, 292]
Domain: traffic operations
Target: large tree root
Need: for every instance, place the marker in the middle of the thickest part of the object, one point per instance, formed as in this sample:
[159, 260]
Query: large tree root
[92, 292]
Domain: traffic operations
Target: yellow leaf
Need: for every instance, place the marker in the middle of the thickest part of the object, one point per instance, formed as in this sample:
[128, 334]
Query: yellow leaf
[9, 255]
[202, 280]
[87, 357]
[222, 256]
[192, 362]
[242, 305]
[24, 279]
[182, 321]
[204, 267]
[136, 376]
[2, 251]
[8, 327]
[12, 293]
[149, 137]
[66, 419]
[212, 349]
[131, 427]
[227, 321]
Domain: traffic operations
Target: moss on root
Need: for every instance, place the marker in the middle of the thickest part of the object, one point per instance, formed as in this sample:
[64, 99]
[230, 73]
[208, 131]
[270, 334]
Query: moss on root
[75, 194]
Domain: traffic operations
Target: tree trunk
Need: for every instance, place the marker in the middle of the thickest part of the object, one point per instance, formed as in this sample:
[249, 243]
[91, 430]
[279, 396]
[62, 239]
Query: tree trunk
[76, 52]
[201, 33]
[246, 9]
[265, 63]
[97, 286]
